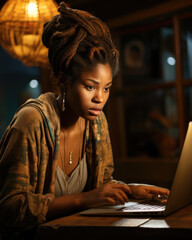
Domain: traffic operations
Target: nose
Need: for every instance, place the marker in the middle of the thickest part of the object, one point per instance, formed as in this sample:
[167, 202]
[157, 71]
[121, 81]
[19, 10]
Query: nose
[98, 97]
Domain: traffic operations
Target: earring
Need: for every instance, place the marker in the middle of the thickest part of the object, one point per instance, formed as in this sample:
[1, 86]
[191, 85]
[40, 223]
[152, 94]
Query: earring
[63, 103]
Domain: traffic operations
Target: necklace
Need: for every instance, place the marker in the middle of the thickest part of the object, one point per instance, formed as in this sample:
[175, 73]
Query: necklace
[66, 183]
[71, 152]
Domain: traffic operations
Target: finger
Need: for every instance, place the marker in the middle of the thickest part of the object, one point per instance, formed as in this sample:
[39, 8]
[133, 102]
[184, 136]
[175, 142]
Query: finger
[124, 195]
[120, 194]
[124, 188]
[157, 197]
[122, 191]
[159, 191]
[110, 201]
[118, 198]
[105, 202]
[167, 192]
[149, 196]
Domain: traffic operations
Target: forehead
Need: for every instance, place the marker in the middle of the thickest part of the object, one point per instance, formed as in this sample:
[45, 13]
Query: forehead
[100, 72]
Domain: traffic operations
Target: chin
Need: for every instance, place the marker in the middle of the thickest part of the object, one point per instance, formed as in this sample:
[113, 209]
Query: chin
[91, 117]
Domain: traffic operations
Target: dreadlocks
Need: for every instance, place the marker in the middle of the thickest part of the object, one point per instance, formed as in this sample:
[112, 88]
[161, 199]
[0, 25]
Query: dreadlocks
[77, 41]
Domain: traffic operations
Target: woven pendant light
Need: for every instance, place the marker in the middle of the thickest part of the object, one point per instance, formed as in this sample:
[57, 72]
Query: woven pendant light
[21, 26]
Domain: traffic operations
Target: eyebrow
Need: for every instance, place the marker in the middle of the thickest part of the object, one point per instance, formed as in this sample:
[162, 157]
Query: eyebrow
[97, 82]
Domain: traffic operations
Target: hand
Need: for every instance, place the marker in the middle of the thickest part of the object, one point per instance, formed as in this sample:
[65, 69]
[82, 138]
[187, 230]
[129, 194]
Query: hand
[108, 194]
[149, 192]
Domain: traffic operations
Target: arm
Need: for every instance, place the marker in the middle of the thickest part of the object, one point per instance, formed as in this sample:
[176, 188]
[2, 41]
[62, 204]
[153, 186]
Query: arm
[108, 194]
[22, 202]
[142, 191]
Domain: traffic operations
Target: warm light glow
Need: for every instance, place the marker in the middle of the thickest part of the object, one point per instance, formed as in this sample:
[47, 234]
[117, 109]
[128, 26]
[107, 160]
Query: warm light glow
[32, 10]
[29, 41]
[21, 27]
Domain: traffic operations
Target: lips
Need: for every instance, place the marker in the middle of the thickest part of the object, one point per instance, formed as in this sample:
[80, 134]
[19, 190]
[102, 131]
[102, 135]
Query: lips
[95, 111]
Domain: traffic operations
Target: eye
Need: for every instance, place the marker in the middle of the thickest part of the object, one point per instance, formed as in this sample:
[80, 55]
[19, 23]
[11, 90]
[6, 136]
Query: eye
[89, 87]
[107, 89]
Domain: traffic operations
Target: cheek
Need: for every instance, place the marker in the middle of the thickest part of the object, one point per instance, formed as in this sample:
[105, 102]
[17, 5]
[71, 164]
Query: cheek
[84, 98]
[80, 99]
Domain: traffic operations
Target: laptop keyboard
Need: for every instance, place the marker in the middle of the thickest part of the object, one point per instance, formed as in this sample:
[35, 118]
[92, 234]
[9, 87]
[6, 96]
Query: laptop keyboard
[145, 207]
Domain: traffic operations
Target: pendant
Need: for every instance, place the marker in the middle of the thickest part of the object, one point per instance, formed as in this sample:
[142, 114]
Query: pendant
[70, 158]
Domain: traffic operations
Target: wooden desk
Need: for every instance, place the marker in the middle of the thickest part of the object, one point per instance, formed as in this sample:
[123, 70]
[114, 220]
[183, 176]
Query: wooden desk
[177, 225]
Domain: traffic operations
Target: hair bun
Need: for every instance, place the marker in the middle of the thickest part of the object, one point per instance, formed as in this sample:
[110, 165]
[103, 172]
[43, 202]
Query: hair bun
[48, 30]
[74, 36]
[62, 7]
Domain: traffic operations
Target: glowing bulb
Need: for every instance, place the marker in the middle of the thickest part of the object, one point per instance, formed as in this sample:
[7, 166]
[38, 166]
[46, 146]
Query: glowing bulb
[33, 83]
[171, 61]
[32, 10]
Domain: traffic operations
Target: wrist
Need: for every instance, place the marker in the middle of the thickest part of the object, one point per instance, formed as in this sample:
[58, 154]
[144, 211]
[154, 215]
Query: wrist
[81, 200]
[132, 187]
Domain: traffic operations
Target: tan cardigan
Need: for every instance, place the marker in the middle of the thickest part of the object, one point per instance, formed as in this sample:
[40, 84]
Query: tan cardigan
[28, 160]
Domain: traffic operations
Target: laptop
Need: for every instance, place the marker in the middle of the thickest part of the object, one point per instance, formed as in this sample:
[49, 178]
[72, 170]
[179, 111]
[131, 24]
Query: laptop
[180, 192]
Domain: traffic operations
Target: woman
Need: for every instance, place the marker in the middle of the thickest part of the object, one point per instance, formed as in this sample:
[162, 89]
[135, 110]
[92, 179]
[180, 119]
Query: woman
[55, 155]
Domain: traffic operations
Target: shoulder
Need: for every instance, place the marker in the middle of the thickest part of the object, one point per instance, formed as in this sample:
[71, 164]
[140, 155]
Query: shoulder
[28, 113]
[27, 117]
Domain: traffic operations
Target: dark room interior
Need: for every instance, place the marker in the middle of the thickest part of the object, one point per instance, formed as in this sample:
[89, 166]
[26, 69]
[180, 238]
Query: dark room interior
[150, 104]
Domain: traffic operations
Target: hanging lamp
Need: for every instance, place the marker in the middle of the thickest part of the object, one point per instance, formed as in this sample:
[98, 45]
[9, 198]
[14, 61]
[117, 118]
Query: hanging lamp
[21, 27]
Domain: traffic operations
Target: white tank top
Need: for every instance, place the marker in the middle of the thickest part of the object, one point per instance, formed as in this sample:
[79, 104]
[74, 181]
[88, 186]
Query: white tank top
[74, 183]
